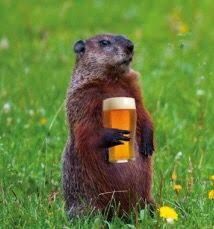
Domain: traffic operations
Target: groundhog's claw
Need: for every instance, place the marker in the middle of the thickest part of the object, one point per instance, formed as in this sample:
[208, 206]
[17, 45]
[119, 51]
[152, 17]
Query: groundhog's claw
[147, 149]
[113, 137]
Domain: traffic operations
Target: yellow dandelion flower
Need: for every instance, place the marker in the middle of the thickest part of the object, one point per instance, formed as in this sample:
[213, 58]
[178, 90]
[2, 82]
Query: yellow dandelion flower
[168, 213]
[177, 23]
[174, 175]
[211, 194]
[177, 187]
[183, 28]
[212, 178]
[43, 121]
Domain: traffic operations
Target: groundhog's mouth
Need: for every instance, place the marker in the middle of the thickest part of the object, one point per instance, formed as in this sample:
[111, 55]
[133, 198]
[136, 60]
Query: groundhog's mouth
[126, 61]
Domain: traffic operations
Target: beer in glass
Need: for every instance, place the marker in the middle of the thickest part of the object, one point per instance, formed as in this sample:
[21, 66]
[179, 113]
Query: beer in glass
[120, 113]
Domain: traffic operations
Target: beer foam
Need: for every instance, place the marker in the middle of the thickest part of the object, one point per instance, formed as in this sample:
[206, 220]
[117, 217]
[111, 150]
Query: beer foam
[119, 103]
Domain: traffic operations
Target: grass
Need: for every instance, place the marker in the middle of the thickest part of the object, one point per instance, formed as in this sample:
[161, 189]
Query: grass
[174, 55]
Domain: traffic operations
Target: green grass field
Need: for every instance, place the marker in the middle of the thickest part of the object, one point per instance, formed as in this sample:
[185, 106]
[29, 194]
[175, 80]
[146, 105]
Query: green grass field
[174, 54]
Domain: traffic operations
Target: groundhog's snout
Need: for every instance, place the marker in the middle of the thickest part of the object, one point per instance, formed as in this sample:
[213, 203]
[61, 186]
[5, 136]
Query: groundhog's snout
[128, 45]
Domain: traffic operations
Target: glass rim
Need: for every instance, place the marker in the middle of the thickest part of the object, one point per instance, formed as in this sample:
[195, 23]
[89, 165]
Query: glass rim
[119, 103]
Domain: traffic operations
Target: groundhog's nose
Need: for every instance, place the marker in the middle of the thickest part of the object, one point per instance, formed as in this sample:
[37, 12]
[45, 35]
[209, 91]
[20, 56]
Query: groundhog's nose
[126, 42]
[130, 46]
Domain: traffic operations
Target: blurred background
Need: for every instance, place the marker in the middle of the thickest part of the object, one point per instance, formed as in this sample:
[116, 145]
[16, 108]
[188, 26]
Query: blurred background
[174, 54]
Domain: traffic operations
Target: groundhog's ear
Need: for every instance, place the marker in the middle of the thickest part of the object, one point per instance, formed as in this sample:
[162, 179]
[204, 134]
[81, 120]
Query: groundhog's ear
[79, 46]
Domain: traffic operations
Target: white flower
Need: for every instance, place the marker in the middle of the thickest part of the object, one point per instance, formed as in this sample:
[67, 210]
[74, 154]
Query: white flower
[42, 111]
[202, 77]
[200, 92]
[26, 126]
[31, 112]
[6, 107]
[178, 155]
[4, 43]
[170, 220]
[26, 70]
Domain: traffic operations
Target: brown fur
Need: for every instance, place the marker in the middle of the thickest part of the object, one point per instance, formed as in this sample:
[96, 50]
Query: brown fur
[88, 178]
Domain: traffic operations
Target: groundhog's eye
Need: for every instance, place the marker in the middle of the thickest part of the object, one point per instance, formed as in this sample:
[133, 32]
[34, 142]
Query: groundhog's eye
[104, 43]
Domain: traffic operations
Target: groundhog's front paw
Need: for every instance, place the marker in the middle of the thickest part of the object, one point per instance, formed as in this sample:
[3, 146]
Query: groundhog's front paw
[113, 137]
[147, 149]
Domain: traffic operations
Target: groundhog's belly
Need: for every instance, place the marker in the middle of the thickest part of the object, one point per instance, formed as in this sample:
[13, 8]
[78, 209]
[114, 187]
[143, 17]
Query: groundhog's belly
[120, 175]
[117, 176]
[123, 174]
[124, 184]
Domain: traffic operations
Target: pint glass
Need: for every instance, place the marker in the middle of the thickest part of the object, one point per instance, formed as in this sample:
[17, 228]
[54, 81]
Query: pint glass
[120, 113]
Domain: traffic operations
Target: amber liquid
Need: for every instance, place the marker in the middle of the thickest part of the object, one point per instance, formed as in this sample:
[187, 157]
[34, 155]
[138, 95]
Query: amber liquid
[124, 119]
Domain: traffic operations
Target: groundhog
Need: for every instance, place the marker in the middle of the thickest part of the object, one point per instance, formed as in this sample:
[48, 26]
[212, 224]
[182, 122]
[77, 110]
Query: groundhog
[102, 70]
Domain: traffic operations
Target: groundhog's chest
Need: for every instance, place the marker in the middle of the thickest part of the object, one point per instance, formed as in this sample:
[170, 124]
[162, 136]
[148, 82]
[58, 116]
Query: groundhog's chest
[115, 90]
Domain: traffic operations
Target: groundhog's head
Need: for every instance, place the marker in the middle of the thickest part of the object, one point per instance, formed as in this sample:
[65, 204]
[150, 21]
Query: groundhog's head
[105, 53]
